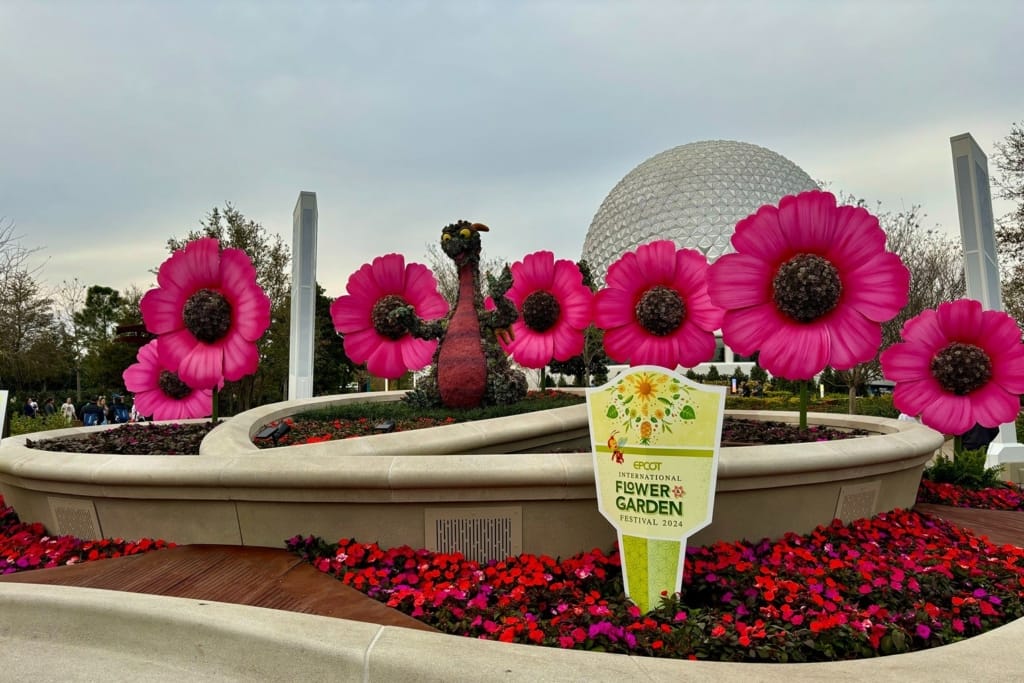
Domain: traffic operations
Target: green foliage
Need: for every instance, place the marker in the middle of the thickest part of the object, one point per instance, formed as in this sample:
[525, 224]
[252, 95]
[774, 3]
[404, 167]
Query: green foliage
[876, 406]
[713, 374]
[28, 425]
[758, 374]
[967, 469]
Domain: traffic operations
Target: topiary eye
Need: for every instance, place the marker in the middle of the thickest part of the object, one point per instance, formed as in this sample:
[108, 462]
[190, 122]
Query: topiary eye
[445, 237]
[465, 232]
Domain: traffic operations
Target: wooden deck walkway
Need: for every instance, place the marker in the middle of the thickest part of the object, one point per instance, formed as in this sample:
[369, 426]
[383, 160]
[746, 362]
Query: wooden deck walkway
[261, 577]
[1000, 526]
[277, 579]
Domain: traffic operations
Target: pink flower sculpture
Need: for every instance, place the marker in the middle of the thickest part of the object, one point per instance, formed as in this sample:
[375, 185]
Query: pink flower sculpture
[363, 315]
[208, 311]
[958, 365]
[655, 309]
[555, 308]
[809, 286]
[160, 392]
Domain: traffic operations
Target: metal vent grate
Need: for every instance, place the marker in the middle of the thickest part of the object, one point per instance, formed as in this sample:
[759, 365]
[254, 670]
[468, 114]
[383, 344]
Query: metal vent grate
[481, 534]
[74, 517]
[857, 501]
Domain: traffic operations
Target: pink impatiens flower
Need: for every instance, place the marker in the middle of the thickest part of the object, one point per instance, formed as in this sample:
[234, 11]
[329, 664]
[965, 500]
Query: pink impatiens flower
[809, 286]
[555, 308]
[208, 311]
[160, 392]
[958, 365]
[655, 308]
[363, 315]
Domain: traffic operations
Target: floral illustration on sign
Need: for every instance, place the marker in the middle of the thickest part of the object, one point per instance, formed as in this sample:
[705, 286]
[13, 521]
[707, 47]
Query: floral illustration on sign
[648, 403]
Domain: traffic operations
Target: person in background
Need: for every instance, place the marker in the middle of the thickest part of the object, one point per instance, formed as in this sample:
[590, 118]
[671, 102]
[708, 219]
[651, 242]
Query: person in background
[92, 414]
[67, 409]
[105, 409]
[28, 410]
[48, 407]
[119, 410]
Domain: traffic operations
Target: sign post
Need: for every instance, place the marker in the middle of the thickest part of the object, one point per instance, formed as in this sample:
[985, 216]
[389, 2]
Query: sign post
[655, 441]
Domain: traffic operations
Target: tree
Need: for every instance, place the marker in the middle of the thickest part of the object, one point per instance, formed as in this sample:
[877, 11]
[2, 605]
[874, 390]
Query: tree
[1009, 182]
[269, 253]
[271, 258]
[105, 358]
[32, 349]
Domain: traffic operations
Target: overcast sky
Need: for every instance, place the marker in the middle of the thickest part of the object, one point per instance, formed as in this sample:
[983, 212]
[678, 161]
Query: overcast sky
[124, 123]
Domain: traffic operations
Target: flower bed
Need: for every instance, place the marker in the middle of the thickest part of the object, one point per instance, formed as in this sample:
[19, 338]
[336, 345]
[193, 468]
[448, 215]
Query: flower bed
[895, 583]
[25, 546]
[1009, 496]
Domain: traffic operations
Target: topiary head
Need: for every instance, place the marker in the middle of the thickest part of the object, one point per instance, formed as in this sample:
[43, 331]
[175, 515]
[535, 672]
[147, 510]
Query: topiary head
[461, 241]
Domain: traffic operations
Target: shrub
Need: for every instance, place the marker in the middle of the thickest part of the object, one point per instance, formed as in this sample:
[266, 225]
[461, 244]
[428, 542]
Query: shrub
[27, 425]
[967, 469]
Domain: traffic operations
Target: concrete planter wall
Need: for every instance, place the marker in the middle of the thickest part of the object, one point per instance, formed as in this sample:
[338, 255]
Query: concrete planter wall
[444, 488]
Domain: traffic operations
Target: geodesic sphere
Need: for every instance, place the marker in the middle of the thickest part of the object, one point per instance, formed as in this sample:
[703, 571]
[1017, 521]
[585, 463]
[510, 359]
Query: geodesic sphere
[693, 194]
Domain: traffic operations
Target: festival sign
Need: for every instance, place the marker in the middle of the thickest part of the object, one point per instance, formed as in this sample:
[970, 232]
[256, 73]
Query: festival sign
[655, 438]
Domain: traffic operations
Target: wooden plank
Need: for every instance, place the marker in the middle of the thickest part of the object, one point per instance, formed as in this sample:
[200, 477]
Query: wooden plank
[260, 577]
[1000, 526]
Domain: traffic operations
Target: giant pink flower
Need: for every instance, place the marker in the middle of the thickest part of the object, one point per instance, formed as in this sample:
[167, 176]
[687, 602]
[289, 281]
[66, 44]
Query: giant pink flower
[555, 308]
[208, 311]
[809, 286]
[160, 392]
[956, 366]
[655, 308]
[363, 315]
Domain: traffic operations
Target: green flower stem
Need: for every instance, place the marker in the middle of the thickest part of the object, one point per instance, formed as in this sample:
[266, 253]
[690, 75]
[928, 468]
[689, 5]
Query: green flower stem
[216, 405]
[803, 403]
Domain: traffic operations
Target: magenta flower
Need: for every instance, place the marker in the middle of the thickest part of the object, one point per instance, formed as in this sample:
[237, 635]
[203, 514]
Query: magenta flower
[655, 308]
[209, 312]
[555, 308]
[958, 365]
[809, 286]
[363, 315]
[160, 392]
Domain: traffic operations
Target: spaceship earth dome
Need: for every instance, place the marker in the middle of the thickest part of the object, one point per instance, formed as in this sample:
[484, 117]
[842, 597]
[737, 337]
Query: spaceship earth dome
[693, 194]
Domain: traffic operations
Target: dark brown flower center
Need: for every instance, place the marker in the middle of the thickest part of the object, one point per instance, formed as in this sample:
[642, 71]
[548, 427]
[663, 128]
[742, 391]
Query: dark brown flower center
[807, 287]
[541, 311]
[660, 310]
[172, 385]
[381, 316]
[207, 315]
[961, 368]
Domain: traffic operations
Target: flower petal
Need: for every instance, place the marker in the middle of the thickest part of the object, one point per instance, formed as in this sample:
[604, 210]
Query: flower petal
[853, 339]
[162, 310]
[389, 273]
[203, 367]
[241, 357]
[798, 352]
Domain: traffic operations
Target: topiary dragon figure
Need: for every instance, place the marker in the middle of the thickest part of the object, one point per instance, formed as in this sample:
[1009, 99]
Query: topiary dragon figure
[470, 369]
